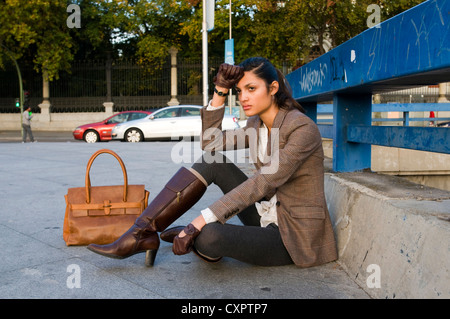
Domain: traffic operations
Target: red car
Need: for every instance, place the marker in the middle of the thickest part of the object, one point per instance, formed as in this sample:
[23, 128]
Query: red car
[101, 131]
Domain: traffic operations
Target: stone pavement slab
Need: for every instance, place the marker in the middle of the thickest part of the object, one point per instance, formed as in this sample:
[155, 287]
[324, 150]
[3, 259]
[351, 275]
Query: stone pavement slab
[36, 263]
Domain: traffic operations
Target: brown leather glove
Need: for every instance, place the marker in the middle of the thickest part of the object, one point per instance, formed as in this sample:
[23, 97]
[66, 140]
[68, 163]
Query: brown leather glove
[183, 245]
[228, 75]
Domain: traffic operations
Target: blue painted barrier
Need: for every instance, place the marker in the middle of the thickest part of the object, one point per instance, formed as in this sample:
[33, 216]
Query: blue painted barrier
[405, 108]
[409, 50]
[434, 139]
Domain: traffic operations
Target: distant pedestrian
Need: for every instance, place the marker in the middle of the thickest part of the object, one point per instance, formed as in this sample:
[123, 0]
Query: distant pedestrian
[432, 116]
[26, 124]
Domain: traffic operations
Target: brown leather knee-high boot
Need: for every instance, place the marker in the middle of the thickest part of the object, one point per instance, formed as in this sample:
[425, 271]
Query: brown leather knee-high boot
[182, 191]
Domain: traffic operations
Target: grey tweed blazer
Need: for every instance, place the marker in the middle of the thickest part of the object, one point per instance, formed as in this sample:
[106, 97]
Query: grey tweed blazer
[294, 172]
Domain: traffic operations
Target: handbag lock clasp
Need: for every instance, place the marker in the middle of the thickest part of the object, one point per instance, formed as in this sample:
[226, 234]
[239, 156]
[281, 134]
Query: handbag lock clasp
[107, 206]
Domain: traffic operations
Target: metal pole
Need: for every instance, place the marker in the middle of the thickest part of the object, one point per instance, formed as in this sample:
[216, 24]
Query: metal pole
[205, 56]
[230, 21]
[108, 76]
[230, 96]
[21, 93]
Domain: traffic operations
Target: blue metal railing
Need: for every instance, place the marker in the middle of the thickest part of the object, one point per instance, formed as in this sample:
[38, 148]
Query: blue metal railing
[405, 108]
[409, 50]
[431, 139]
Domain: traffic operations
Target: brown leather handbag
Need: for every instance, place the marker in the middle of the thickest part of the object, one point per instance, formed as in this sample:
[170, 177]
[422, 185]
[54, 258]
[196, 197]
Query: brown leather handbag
[101, 214]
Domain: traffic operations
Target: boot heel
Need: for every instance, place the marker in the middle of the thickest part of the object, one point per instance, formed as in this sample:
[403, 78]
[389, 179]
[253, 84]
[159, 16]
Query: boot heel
[150, 256]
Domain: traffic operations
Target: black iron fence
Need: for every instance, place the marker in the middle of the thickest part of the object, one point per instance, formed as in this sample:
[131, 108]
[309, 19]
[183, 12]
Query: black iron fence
[91, 83]
[130, 86]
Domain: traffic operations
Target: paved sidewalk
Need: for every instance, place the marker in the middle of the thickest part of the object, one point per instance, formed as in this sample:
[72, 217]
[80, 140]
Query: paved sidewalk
[36, 263]
[39, 136]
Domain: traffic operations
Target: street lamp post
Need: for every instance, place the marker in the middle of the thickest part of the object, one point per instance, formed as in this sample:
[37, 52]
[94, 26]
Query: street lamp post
[21, 94]
[230, 20]
[205, 55]
[207, 25]
[231, 101]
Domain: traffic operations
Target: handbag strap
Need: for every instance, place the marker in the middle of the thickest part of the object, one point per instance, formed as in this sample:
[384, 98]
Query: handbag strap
[105, 207]
[88, 180]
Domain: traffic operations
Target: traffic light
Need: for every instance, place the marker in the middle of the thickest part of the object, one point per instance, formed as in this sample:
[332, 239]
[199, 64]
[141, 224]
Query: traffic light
[26, 101]
[17, 102]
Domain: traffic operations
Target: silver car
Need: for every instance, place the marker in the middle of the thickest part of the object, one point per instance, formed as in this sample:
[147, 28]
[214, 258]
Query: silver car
[169, 122]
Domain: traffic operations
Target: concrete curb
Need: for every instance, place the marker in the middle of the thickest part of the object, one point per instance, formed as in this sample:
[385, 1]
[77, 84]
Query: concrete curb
[394, 241]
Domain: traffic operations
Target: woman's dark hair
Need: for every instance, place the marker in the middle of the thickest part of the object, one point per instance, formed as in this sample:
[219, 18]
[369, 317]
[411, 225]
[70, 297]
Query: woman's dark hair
[265, 70]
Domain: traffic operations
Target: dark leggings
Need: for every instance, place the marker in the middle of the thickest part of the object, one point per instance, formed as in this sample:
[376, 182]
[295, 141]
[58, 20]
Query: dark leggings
[250, 243]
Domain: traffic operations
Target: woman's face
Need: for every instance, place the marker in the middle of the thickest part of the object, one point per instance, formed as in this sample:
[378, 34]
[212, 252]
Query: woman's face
[254, 95]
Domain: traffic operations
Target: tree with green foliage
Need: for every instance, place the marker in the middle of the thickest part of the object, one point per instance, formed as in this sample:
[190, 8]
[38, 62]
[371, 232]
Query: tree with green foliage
[286, 30]
[37, 30]
[349, 18]
[145, 30]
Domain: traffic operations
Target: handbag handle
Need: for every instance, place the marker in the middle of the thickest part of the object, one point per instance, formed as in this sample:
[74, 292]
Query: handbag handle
[88, 180]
